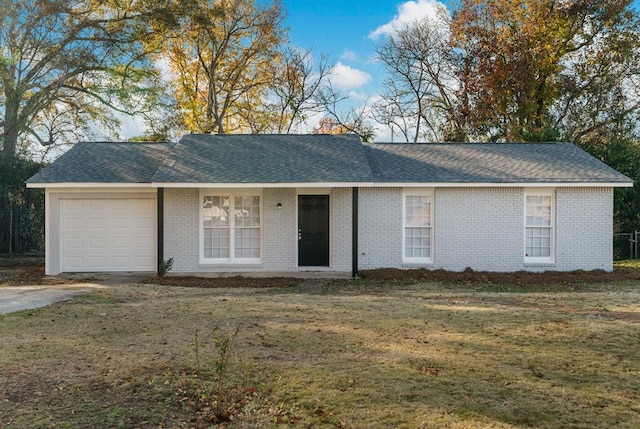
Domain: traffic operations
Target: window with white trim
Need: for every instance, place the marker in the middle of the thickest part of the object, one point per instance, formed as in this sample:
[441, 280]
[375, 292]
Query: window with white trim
[231, 228]
[538, 226]
[417, 228]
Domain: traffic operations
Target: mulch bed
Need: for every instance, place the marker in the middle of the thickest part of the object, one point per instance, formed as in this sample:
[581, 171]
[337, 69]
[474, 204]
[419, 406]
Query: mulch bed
[523, 278]
[225, 282]
[30, 270]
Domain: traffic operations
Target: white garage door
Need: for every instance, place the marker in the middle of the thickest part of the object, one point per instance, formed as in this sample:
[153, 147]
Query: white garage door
[107, 235]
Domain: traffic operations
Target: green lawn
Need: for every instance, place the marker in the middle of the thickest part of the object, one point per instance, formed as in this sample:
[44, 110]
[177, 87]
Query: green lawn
[356, 354]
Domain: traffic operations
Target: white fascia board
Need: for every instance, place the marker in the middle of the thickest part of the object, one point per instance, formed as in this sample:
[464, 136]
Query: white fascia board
[505, 185]
[333, 185]
[265, 185]
[89, 185]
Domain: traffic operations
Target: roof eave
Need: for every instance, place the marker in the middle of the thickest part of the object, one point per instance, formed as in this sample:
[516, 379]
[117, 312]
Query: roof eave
[87, 185]
[505, 184]
[263, 185]
[333, 185]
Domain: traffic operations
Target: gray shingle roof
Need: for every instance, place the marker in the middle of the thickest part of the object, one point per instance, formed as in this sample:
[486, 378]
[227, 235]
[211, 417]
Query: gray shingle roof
[254, 159]
[105, 163]
[272, 158]
[487, 163]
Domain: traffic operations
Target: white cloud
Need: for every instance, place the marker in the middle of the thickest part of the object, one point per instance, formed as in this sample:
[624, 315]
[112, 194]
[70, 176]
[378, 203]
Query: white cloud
[409, 12]
[345, 77]
[348, 55]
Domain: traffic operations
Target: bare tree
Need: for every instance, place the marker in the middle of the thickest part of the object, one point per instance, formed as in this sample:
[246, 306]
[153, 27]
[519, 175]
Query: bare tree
[343, 114]
[296, 86]
[418, 96]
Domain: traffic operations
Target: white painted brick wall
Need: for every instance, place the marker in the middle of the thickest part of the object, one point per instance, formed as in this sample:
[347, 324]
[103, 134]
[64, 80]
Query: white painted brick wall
[279, 252]
[584, 229]
[479, 228]
[279, 230]
[181, 236]
[341, 222]
[483, 229]
[380, 228]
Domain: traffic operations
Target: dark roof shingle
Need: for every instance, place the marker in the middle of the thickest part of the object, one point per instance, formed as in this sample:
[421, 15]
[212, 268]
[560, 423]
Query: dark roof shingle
[487, 163]
[271, 158]
[102, 162]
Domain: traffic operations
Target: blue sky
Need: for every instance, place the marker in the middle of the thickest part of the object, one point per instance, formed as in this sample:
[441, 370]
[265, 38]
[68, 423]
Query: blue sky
[346, 30]
[349, 32]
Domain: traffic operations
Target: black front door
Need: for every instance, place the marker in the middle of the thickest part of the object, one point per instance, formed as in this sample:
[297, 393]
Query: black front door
[313, 230]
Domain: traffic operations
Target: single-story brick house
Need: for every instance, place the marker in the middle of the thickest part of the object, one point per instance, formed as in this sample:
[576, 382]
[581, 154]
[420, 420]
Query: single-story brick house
[291, 203]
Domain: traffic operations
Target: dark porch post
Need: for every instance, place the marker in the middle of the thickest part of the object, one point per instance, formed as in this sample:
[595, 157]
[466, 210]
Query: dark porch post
[160, 226]
[354, 232]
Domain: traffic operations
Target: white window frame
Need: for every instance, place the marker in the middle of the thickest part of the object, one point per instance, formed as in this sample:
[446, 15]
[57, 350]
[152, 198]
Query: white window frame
[546, 192]
[232, 194]
[418, 192]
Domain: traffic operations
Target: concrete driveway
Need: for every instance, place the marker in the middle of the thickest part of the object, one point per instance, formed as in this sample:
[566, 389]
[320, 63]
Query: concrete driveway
[27, 297]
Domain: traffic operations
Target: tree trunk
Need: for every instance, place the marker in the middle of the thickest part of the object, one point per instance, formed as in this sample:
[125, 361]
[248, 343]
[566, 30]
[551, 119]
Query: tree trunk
[10, 143]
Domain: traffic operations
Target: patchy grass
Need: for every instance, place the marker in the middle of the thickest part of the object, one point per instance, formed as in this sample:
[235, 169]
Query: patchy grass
[359, 354]
[629, 263]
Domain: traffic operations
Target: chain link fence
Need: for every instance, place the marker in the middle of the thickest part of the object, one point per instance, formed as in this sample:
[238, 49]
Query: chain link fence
[625, 245]
[22, 223]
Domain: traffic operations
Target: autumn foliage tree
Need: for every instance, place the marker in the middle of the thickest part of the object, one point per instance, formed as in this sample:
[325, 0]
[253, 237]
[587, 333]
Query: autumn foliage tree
[222, 55]
[525, 70]
[526, 63]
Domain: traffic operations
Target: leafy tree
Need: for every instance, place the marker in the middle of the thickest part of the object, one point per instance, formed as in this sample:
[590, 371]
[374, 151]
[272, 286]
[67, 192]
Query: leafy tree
[530, 66]
[21, 209]
[623, 154]
[65, 65]
[504, 70]
[222, 55]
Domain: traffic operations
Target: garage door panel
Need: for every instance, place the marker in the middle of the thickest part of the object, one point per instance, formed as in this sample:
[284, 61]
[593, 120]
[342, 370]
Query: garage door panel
[107, 235]
[96, 223]
[74, 224]
[98, 243]
[120, 243]
[74, 243]
[97, 262]
[72, 262]
[144, 261]
[75, 204]
[121, 262]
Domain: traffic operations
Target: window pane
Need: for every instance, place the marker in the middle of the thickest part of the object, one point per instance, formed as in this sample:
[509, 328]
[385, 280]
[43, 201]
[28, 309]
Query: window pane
[417, 211]
[538, 226]
[538, 242]
[215, 224]
[247, 227]
[538, 211]
[417, 242]
[247, 243]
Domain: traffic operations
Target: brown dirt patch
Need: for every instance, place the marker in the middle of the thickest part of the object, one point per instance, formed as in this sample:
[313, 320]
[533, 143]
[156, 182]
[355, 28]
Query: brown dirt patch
[524, 278]
[28, 270]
